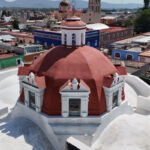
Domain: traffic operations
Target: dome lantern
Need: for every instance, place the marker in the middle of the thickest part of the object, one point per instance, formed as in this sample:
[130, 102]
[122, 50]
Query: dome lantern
[73, 32]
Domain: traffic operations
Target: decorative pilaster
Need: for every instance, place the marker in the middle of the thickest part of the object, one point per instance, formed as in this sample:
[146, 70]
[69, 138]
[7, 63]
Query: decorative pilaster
[120, 96]
[65, 107]
[26, 93]
[84, 107]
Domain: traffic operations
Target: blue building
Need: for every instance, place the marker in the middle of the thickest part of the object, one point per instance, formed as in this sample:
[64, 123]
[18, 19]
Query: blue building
[50, 39]
[125, 55]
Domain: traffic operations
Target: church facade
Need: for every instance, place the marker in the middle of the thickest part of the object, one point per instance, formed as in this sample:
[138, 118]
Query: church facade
[93, 14]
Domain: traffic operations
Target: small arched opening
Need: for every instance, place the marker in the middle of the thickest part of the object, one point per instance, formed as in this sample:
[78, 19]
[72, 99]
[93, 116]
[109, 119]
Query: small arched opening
[117, 55]
[65, 39]
[130, 57]
[73, 39]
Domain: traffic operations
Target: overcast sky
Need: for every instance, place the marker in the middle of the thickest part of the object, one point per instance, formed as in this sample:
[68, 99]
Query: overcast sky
[113, 1]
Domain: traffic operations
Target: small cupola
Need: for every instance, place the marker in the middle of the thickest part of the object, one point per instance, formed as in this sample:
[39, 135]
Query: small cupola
[73, 32]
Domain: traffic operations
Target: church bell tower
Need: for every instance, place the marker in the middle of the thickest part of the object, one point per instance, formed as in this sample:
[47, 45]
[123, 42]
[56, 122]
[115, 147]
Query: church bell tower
[94, 6]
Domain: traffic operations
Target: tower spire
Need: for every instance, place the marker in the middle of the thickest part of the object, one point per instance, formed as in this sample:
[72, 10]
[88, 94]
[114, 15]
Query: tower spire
[94, 5]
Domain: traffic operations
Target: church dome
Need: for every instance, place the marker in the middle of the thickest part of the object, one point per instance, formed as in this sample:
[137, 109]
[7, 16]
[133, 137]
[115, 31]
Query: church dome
[64, 6]
[72, 79]
[73, 21]
[61, 64]
[64, 3]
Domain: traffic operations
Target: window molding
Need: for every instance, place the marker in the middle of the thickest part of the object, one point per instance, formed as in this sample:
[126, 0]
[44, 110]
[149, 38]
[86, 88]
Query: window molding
[29, 85]
[68, 93]
[39, 93]
[117, 85]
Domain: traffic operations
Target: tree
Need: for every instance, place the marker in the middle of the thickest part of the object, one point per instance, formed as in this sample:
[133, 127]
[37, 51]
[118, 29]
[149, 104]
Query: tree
[146, 4]
[15, 24]
[142, 21]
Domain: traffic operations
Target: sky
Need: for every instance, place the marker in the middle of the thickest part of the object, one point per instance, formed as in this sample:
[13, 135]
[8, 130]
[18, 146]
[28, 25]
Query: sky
[113, 1]
[124, 1]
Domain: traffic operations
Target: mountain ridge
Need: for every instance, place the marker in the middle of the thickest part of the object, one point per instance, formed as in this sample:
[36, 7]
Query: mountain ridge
[55, 4]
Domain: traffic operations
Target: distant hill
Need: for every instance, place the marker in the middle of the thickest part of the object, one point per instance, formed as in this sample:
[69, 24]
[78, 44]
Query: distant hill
[55, 3]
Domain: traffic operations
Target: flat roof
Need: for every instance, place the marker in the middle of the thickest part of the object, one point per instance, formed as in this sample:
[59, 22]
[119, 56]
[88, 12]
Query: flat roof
[130, 40]
[145, 54]
[135, 49]
[97, 26]
[109, 17]
[142, 40]
[25, 34]
[113, 29]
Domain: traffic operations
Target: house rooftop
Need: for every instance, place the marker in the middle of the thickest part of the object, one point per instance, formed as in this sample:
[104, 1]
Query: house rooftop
[113, 29]
[4, 56]
[133, 39]
[145, 54]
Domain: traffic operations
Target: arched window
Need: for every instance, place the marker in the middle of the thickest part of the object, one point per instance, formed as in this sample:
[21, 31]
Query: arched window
[65, 39]
[117, 55]
[73, 39]
[129, 57]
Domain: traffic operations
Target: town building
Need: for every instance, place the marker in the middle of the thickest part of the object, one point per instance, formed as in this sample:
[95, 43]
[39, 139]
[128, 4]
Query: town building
[10, 60]
[92, 15]
[145, 56]
[133, 49]
[21, 37]
[50, 39]
[131, 54]
[113, 34]
[109, 20]
[75, 85]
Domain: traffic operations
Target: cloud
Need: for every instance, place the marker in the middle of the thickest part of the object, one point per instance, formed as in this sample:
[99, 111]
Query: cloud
[10, 0]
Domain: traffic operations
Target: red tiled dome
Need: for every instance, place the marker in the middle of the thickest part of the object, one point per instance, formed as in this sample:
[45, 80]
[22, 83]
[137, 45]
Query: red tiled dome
[60, 64]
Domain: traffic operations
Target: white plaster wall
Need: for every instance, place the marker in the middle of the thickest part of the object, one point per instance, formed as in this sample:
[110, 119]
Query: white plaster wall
[131, 95]
[140, 87]
[21, 110]
[7, 73]
[124, 108]
[3, 109]
[143, 103]
[141, 92]
[9, 87]
[78, 34]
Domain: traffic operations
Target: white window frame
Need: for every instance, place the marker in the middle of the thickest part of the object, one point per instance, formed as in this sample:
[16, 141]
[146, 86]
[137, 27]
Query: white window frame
[39, 93]
[117, 85]
[67, 94]
[28, 84]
